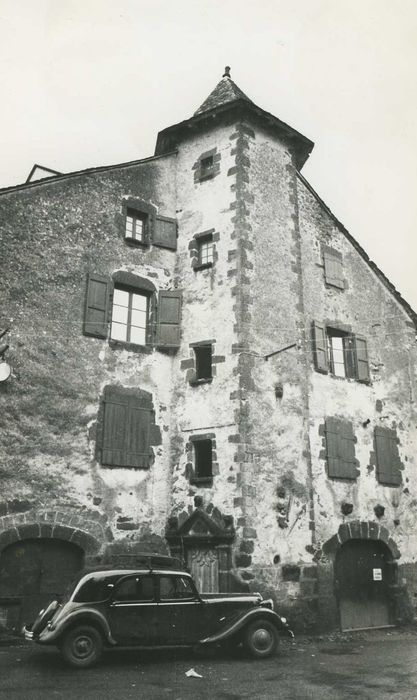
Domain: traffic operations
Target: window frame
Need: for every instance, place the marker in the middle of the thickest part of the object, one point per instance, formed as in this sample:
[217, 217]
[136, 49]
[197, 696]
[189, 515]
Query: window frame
[355, 351]
[131, 291]
[201, 378]
[198, 444]
[137, 215]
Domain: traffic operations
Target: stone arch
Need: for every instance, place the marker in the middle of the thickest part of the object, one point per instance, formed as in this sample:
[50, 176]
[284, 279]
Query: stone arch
[88, 530]
[360, 530]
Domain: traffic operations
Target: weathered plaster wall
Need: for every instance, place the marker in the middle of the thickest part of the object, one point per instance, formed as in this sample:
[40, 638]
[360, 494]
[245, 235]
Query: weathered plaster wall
[54, 234]
[370, 310]
[207, 316]
[276, 506]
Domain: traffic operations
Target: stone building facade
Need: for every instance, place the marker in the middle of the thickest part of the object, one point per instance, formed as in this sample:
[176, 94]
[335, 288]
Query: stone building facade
[205, 362]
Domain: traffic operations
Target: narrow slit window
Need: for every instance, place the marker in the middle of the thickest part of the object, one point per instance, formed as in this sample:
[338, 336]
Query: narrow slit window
[206, 165]
[203, 459]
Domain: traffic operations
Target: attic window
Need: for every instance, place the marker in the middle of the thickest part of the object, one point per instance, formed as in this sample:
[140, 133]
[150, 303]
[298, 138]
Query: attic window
[136, 226]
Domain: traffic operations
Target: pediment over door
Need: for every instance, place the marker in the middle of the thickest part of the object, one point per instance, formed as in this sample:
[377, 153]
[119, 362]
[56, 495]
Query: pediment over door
[201, 527]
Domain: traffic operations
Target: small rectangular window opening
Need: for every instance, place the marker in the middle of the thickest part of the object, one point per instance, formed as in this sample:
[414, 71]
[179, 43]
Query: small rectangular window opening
[206, 164]
[205, 251]
[136, 223]
[203, 355]
[203, 459]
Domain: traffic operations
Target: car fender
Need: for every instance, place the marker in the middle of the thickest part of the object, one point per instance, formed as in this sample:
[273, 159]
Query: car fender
[88, 616]
[250, 616]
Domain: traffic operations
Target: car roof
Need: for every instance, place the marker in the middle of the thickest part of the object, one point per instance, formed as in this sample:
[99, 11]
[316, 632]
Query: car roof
[104, 573]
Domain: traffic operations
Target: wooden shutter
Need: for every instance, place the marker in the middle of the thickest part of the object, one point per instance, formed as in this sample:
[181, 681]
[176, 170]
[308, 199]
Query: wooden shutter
[168, 329]
[97, 306]
[361, 359]
[387, 456]
[126, 431]
[320, 347]
[165, 232]
[333, 269]
[340, 449]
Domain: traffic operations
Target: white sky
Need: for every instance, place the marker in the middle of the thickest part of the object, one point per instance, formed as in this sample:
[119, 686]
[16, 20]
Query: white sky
[90, 82]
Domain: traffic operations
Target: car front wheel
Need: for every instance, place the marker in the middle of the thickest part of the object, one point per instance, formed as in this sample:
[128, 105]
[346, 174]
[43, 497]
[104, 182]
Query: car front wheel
[261, 639]
[82, 646]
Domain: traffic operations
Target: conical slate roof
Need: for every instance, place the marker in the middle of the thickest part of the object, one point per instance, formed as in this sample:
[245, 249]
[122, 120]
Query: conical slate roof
[225, 91]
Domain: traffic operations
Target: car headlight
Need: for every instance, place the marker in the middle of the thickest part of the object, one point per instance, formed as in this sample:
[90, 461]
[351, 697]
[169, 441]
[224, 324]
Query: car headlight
[284, 620]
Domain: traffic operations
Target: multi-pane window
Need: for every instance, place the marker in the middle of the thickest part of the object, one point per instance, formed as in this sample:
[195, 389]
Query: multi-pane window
[340, 353]
[340, 350]
[135, 225]
[205, 251]
[129, 316]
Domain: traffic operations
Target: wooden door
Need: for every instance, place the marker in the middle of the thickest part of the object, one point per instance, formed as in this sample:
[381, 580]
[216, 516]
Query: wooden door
[203, 563]
[362, 582]
[34, 572]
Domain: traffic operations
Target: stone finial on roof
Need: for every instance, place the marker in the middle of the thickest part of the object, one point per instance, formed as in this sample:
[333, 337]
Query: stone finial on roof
[226, 73]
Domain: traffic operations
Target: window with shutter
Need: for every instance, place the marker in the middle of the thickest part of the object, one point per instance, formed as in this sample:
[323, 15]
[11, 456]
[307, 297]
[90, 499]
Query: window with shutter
[333, 268]
[168, 328]
[129, 316]
[340, 352]
[340, 449]
[164, 232]
[97, 306]
[136, 226]
[127, 421]
[387, 456]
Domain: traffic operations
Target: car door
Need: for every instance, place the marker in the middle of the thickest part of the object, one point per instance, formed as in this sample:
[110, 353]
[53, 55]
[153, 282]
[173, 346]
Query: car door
[181, 612]
[133, 610]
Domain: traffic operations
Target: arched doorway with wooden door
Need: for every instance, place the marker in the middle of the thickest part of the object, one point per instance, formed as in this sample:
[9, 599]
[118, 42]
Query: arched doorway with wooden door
[40, 552]
[362, 559]
[34, 572]
[362, 582]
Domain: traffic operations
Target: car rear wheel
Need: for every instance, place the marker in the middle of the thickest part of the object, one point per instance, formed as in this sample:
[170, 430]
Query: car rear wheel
[82, 646]
[261, 639]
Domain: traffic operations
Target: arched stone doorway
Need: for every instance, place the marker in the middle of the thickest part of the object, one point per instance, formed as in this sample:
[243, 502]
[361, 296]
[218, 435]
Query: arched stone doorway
[363, 576]
[40, 551]
[32, 573]
[365, 572]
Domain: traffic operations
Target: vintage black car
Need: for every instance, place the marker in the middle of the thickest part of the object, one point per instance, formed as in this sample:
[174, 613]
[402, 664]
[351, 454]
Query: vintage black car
[154, 605]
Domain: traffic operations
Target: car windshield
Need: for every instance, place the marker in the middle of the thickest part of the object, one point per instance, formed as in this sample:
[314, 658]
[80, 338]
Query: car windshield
[96, 589]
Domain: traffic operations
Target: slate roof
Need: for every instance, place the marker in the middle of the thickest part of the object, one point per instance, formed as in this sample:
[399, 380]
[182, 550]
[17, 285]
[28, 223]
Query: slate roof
[225, 91]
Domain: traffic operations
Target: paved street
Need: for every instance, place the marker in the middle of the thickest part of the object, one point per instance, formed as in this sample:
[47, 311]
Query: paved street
[373, 665]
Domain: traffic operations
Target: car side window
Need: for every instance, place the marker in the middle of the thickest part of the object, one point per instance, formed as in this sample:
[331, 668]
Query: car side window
[175, 588]
[135, 588]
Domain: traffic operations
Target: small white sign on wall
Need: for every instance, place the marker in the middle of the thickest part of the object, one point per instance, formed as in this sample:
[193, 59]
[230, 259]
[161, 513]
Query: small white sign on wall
[377, 574]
